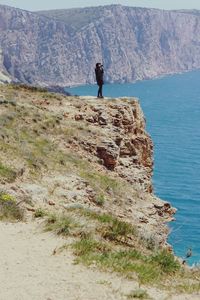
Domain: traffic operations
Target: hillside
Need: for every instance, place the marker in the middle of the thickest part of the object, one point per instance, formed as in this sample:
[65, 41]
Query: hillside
[77, 18]
[61, 47]
[81, 169]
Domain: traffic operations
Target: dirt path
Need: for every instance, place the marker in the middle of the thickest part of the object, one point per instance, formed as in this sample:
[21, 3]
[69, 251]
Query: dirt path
[30, 271]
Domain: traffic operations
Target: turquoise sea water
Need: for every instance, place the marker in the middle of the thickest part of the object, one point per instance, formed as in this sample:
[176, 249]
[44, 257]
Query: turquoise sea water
[172, 109]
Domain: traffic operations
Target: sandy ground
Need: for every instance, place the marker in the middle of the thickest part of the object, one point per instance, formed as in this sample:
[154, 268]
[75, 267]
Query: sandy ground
[30, 271]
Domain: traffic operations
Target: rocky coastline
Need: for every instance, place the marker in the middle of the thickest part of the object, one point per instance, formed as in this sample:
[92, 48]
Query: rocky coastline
[109, 135]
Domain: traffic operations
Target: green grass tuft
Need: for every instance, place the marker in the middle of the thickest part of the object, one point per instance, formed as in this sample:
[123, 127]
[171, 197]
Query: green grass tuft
[188, 287]
[138, 294]
[9, 210]
[166, 261]
[85, 247]
[40, 213]
[100, 200]
[7, 174]
[113, 229]
[118, 230]
[126, 262]
[61, 224]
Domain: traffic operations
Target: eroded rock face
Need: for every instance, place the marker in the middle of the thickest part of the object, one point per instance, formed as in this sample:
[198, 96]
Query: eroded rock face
[124, 145]
[108, 151]
[133, 43]
[4, 76]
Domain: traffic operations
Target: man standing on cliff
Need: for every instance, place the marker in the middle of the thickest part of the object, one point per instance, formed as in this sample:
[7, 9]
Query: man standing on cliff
[99, 78]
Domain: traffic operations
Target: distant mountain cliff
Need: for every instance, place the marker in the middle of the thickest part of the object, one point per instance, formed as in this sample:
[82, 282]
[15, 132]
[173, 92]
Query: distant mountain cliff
[61, 47]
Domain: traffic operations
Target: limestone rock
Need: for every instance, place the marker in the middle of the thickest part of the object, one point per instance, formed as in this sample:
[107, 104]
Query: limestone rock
[124, 147]
[36, 192]
[109, 152]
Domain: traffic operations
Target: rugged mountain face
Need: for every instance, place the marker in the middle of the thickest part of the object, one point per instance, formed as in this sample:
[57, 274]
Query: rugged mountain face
[63, 46]
[4, 76]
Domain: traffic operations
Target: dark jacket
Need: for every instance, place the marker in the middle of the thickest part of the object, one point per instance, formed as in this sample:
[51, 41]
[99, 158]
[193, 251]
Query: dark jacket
[99, 75]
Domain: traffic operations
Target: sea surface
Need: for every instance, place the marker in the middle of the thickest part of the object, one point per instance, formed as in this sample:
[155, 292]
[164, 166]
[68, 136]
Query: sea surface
[172, 109]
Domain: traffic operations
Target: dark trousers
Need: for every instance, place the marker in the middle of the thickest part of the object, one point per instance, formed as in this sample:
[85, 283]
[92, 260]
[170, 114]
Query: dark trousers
[100, 91]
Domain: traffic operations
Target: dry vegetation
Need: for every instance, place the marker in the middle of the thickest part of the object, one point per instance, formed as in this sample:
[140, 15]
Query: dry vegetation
[105, 242]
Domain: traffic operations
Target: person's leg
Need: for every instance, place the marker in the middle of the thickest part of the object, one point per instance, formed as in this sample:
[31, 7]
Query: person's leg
[100, 90]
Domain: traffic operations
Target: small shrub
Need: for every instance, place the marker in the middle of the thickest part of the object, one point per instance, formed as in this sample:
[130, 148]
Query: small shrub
[147, 272]
[84, 247]
[60, 224]
[52, 218]
[166, 261]
[11, 102]
[104, 218]
[100, 199]
[6, 198]
[7, 174]
[113, 228]
[121, 228]
[9, 210]
[118, 230]
[40, 213]
[138, 294]
[88, 250]
[64, 226]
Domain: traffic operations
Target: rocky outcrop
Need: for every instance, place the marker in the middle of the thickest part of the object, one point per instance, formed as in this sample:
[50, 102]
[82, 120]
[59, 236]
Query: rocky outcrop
[124, 147]
[62, 47]
[61, 152]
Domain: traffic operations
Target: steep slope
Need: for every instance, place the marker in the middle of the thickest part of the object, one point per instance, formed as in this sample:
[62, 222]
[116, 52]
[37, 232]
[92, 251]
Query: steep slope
[71, 149]
[63, 46]
[33, 47]
[4, 76]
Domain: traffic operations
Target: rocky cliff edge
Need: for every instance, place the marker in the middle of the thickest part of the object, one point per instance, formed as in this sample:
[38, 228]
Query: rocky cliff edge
[58, 152]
